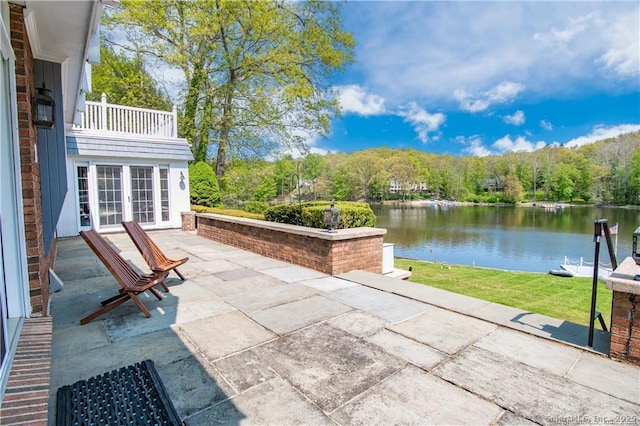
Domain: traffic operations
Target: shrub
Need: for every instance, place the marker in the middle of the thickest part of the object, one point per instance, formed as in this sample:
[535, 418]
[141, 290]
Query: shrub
[352, 214]
[226, 212]
[255, 206]
[203, 185]
[284, 213]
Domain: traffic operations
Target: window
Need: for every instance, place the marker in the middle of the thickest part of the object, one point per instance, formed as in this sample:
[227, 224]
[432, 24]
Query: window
[142, 194]
[83, 196]
[109, 195]
[164, 194]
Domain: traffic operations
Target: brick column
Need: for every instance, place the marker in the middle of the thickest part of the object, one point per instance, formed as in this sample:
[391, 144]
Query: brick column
[188, 221]
[37, 263]
[625, 312]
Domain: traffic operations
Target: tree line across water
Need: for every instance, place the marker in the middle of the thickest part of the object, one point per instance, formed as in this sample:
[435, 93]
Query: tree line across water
[605, 172]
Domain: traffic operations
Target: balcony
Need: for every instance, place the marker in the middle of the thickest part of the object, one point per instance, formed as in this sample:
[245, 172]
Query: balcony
[104, 118]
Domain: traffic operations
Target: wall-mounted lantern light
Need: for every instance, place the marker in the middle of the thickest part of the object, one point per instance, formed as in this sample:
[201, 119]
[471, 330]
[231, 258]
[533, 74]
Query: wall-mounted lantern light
[331, 217]
[44, 108]
[181, 177]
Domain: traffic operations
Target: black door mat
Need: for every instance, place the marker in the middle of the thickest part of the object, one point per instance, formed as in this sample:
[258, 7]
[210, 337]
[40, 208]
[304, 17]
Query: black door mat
[133, 395]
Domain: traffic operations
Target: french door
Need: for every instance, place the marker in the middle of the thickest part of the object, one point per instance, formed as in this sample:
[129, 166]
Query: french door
[123, 192]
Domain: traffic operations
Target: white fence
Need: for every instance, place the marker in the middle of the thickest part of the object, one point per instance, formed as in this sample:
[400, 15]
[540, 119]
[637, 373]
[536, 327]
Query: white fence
[104, 117]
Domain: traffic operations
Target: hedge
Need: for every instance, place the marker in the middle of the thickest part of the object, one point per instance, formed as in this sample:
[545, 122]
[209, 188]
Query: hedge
[226, 212]
[311, 214]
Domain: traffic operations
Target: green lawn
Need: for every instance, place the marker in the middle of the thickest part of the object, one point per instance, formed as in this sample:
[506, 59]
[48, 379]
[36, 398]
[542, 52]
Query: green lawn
[558, 297]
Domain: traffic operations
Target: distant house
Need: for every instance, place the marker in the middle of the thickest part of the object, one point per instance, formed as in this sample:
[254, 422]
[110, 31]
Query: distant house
[492, 184]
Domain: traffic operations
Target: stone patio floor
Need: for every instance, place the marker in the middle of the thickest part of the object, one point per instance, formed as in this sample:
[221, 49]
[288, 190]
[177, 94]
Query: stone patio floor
[246, 339]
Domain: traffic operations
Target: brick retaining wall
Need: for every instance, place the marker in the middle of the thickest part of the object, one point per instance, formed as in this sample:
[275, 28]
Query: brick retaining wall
[331, 253]
[625, 312]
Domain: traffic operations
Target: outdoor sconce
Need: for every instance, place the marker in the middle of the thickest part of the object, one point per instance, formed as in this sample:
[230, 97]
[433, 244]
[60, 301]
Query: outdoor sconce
[635, 251]
[44, 108]
[181, 177]
[331, 217]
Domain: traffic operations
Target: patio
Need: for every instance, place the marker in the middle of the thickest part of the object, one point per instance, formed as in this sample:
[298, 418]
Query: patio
[248, 339]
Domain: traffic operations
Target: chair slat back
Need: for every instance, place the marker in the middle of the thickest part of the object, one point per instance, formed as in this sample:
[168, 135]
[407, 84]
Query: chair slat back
[150, 251]
[126, 276]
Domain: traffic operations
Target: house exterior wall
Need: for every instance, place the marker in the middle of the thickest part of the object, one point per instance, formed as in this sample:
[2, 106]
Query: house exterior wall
[69, 224]
[38, 261]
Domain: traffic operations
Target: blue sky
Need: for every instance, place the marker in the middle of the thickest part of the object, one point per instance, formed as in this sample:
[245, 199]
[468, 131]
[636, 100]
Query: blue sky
[481, 78]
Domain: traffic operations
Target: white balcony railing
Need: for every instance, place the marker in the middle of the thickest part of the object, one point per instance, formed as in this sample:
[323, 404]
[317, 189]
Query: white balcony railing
[103, 117]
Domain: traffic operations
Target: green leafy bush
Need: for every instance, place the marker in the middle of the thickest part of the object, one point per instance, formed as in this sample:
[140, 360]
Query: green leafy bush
[203, 185]
[255, 206]
[226, 212]
[285, 213]
[352, 214]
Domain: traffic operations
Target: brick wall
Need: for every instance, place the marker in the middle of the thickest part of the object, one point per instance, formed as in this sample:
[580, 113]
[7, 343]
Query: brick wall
[188, 221]
[625, 327]
[37, 263]
[333, 254]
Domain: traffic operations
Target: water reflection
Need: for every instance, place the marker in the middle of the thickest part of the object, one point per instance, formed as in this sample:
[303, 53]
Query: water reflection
[518, 238]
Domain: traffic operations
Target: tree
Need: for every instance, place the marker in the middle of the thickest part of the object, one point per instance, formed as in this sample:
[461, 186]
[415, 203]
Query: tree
[256, 73]
[125, 82]
[513, 190]
[203, 185]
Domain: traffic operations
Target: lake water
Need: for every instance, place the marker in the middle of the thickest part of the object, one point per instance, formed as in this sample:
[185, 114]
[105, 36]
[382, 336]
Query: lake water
[514, 238]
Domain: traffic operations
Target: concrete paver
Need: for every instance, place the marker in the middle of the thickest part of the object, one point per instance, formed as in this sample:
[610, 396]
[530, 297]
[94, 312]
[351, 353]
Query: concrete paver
[300, 347]
[387, 306]
[530, 350]
[225, 334]
[615, 378]
[535, 394]
[292, 274]
[329, 366]
[292, 316]
[445, 331]
[407, 349]
[244, 370]
[193, 385]
[415, 397]
[271, 296]
[274, 402]
[358, 323]
[327, 284]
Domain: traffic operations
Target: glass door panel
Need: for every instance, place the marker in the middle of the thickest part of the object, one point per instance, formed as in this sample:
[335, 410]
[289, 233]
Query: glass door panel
[142, 204]
[109, 195]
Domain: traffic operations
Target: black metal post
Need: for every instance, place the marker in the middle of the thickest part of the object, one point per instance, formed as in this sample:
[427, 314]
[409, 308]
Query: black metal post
[597, 232]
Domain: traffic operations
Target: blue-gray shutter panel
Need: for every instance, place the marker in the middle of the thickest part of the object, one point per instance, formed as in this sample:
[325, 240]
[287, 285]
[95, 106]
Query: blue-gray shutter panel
[51, 152]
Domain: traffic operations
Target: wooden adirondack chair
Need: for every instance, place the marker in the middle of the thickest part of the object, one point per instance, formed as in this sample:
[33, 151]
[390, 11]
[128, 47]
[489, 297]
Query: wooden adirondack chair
[155, 258]
[130, 280]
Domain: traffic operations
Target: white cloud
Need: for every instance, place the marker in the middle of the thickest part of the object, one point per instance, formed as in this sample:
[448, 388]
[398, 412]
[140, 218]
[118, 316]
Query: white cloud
[475, 146]
[500, 94]
[517, 118]
[623, 46]
[506, 144]
[424, 123]
[602, 132]
[355, 99]
[546, 125]
[432, 50]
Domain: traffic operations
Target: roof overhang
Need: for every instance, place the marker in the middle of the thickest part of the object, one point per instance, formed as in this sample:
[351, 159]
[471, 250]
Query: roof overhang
[66, 32]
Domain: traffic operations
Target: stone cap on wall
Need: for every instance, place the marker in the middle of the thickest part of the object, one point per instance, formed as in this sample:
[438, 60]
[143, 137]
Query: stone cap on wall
[340, 234]
[622, 278]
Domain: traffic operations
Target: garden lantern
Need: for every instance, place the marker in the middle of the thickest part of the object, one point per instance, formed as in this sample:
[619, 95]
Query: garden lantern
[331, 217]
